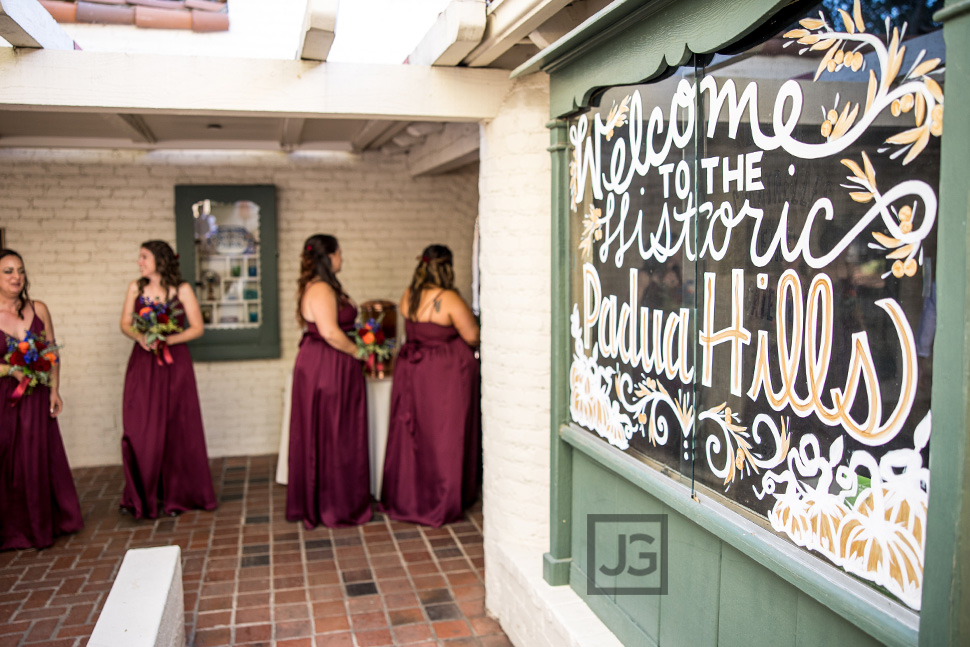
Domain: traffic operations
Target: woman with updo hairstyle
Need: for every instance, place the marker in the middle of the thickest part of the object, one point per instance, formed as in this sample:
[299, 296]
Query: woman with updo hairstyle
[38, 500]
[329, 469]
[431, 466]
[163, 445]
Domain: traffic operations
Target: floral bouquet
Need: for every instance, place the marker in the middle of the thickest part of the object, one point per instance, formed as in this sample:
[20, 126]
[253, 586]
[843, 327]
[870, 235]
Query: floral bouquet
[156, 320]
[372, 346]
[34, 356]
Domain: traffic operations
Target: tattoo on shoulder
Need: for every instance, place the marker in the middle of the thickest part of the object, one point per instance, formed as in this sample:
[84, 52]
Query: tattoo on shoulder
[437, 305]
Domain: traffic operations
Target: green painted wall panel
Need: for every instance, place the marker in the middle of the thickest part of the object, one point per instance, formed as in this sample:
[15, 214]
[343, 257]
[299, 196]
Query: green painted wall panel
[757, 608]
[643, 609]
[717, 596]
[818, 627]
[689, 613]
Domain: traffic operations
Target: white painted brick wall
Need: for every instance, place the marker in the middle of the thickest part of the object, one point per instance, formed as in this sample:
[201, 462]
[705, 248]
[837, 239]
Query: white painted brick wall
[514, 216]
[78, 218]
[515, 292]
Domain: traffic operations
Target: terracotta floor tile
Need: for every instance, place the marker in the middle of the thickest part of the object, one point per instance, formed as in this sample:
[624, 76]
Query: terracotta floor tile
[344, 639]
[485, 626]
[405, 616]
[451, 629]
[327, 624]
[373, 638]
[369, 620]
[253, 633]
[407, 634]
[253, 579]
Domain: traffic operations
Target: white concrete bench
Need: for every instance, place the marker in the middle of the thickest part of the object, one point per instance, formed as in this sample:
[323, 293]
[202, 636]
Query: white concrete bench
[145, 607]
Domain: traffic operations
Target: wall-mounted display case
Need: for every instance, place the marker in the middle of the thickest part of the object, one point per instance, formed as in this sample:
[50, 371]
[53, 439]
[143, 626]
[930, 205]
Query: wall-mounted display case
[227, 242]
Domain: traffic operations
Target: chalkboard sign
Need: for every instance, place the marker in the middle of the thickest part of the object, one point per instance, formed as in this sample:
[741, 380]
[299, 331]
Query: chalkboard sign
[753, 299]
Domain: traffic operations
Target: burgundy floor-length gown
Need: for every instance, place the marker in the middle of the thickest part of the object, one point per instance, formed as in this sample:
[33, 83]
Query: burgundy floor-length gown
[329, 467]
[163, 446]
[431, 466]
[38, 500]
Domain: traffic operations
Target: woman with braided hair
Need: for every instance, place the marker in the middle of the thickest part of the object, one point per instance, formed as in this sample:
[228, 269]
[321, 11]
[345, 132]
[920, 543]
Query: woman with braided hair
[163, 446]
[431, 466]
[329, 469]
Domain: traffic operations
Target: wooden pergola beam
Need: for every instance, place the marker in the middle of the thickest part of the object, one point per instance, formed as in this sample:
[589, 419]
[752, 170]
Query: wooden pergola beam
[154, 84]
[25, 23]
[319, 28]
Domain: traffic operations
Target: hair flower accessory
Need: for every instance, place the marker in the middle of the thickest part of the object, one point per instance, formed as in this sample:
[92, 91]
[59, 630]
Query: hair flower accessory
[425, 259]
[309, 248]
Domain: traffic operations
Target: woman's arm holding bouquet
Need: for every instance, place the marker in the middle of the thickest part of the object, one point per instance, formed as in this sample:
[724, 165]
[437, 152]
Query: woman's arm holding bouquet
[126, 316]
[57, 405]
[192, 312]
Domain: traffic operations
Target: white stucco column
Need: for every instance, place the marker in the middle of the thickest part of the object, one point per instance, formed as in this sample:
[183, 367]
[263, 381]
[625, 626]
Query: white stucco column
[515, 230]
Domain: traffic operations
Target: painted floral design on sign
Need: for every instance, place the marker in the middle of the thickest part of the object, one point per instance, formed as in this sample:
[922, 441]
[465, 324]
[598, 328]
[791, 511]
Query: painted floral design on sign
[753, 293]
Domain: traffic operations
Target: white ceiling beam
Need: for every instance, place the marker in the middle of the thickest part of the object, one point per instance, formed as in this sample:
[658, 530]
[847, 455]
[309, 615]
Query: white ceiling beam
[394, 129]
[98, 81]
[508, 24]
[453, 147]
[135, 127]
[25, 23]
[292, 135]
[319, 27]
[456, 32]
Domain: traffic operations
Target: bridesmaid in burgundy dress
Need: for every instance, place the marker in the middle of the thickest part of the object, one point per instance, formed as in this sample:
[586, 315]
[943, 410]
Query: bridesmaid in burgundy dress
[431, 466]
[163, 446]
[38, 501]
[329, 472]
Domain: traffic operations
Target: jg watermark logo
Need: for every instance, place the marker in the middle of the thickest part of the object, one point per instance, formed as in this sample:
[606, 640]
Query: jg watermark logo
[626, 554]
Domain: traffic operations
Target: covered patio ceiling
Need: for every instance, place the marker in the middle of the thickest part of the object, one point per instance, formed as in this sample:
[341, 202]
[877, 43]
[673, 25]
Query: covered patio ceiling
[52, 95]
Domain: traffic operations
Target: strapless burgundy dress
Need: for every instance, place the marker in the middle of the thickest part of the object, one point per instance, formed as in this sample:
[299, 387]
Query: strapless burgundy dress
[38, 500]
[432, 461]
[329, 468]
[163, 446]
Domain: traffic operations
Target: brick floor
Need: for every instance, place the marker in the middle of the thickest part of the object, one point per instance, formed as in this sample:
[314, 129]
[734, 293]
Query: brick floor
[252, 578]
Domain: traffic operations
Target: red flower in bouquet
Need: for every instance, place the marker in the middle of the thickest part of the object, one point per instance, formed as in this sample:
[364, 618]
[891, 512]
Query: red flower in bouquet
[34, 357]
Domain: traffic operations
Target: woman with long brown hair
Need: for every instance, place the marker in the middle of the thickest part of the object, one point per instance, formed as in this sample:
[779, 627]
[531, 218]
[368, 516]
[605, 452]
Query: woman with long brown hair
[431, 465]
[163, 446]
[38, 500]
[329, 470]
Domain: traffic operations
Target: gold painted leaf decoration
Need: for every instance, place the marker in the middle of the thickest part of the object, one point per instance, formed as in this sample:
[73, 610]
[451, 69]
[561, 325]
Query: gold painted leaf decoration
[920, 112]
[870, 171]
[796, 33]
[855, 168]
[925, 67]
[860, 24]
[823, 63]
[886, 241]
[918, 147]
[871, 93]
[901, 252]
[905, 137]
[861, 196]
[847, 21]
[934, 89]
[811, 23]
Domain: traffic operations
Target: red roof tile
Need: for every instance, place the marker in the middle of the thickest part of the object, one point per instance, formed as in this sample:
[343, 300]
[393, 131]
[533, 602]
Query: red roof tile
[197, 15]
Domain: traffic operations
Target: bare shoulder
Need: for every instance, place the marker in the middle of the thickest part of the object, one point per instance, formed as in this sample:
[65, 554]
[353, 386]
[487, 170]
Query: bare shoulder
[133, 287]
[452, 298]
[41, 310]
